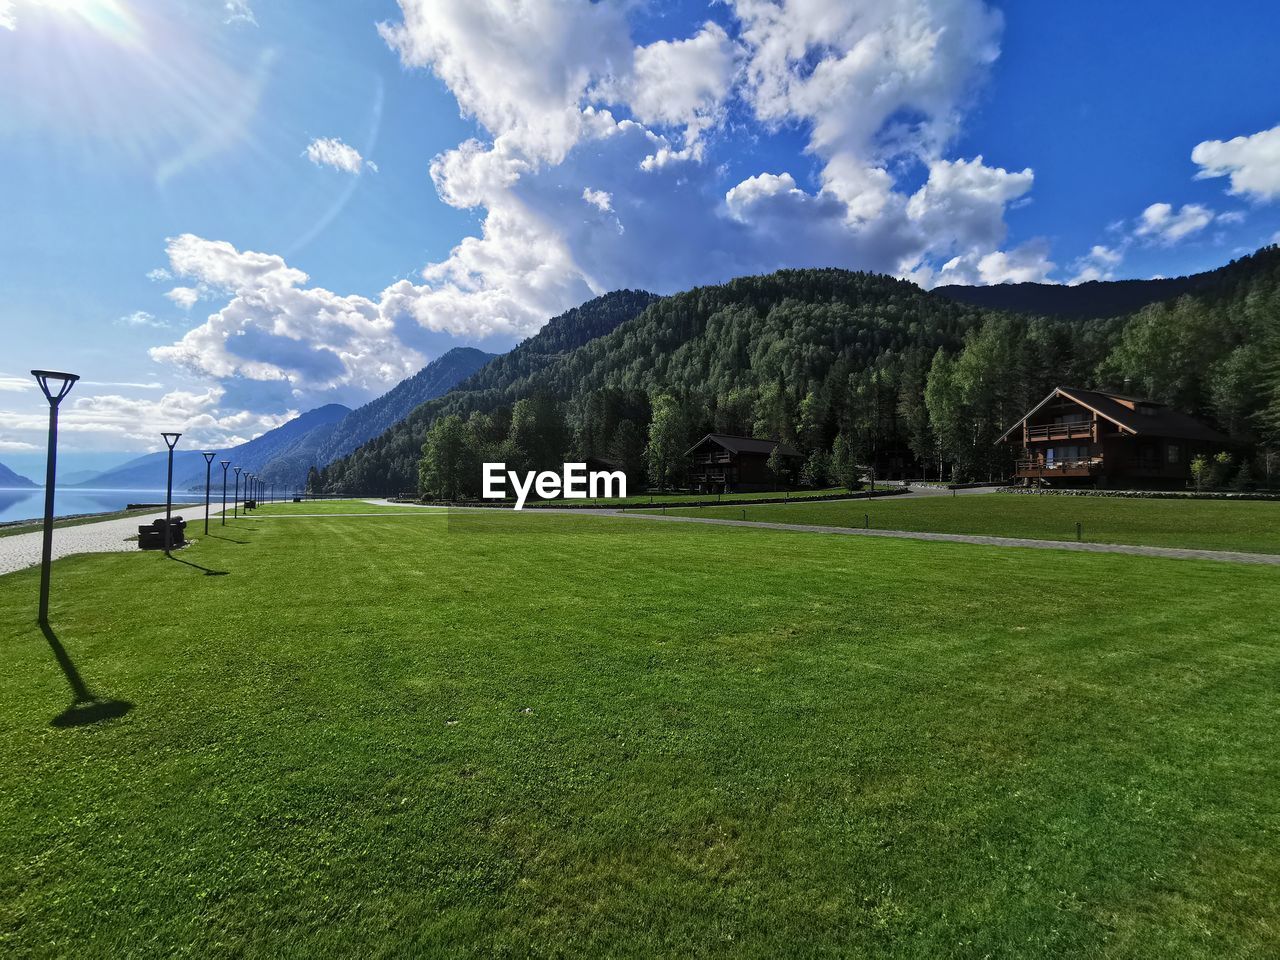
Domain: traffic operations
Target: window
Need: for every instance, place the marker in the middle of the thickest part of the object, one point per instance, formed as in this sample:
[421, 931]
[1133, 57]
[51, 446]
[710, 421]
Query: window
[1174, 453]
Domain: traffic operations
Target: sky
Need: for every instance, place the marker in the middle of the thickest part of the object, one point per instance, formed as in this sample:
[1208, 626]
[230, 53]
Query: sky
[221, 213]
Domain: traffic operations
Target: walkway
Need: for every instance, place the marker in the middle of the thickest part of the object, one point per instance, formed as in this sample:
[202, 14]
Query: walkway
[105, 536]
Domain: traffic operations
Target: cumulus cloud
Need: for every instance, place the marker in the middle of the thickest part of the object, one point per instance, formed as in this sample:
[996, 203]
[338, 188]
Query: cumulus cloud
[599, 199]
[522, 73]
[1028, 263]
[275, 329]
[332, 152]
[1160, 223]
[8, 18]
[1098, 264]
[1252, 163]
[681, 83]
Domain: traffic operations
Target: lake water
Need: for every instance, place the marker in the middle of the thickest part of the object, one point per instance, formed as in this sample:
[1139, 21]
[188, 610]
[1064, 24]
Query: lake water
[29, 504]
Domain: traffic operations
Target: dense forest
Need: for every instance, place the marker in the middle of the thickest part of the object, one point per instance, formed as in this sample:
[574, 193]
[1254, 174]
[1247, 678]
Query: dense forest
[855, 369]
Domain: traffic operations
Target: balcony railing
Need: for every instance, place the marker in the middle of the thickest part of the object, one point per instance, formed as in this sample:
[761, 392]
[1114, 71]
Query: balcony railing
[1075, 430]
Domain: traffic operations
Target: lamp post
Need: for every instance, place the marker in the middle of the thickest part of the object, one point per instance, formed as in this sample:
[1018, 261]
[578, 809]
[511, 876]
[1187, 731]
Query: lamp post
[208, 471]
[248, 491]
[54, 386]
[235, 504]
[225, 464]
[171, 441]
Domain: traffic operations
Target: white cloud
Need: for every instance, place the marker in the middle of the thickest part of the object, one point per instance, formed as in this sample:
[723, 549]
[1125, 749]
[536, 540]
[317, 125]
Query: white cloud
[8, 19]
[1028, 263]
[599, 199]
[1162, 224]
[139, 319]
[1098, 264]
[965, 200]
[274, 329]
[1252, 163]
[17, 446]
[522, 73]
[185, 297]
[9, 384]
[159, 275]
[239, 11]
[681, 83]
[86, 421]
[332, 152]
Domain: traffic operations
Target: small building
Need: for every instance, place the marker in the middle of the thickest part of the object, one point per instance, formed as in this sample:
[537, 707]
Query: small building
[720, 463]
[1077, 437]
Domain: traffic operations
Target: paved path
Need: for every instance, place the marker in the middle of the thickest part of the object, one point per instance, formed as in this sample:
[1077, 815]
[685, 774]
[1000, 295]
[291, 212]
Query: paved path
[1175, 553]
[106, 536]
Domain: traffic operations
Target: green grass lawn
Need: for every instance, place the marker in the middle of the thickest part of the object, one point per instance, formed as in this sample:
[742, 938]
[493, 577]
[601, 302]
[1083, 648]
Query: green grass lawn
[496, 734]
[1250, 526]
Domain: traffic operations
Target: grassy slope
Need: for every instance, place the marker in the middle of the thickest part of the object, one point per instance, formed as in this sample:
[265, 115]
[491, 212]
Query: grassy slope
[1251, 526]
[539, 734]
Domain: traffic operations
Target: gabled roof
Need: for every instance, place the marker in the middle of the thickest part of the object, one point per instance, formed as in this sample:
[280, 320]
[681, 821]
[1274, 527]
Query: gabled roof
[745, 445]
[1154, 420]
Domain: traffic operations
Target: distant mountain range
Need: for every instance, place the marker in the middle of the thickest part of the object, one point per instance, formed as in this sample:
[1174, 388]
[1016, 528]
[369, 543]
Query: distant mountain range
[435, 379]
[284, 455]
[1084, 301]
[12, 480]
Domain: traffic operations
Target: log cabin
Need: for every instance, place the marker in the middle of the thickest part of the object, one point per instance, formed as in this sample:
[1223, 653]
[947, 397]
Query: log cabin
[1077, 437]
[720, 463]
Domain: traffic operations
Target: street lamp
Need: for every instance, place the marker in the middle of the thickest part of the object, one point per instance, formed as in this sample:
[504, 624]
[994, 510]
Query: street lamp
[225, 464]
[171, 441]
[235, 504]
[248, 491]
[208, 470]
[54, 386]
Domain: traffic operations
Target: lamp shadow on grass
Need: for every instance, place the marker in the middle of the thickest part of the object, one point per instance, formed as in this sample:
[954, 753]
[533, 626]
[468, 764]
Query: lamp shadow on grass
[216, 536]
[207, 571]
[86, 706]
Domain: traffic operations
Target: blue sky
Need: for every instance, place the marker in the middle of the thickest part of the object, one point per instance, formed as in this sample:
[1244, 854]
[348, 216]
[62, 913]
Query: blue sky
[224, 213]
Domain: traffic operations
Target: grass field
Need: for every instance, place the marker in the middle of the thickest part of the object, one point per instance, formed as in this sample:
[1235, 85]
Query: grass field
[496, 734]
[1251, 526]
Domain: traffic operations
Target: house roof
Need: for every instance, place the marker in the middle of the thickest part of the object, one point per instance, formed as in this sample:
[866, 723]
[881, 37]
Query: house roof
[1154, 420]
[745, 445]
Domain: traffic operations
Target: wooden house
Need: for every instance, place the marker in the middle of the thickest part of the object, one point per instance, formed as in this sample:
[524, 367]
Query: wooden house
[1077, 437]
[720, 463]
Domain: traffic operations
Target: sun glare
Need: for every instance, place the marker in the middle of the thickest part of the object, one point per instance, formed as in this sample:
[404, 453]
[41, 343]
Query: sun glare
[111, 18]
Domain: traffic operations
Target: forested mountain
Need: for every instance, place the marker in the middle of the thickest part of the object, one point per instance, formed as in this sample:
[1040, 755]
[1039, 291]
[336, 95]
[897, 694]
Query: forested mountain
[364, 423]
[861, 366]
[1084, 301]
[11, 480]
[389, 463]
